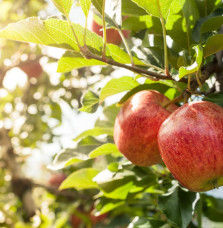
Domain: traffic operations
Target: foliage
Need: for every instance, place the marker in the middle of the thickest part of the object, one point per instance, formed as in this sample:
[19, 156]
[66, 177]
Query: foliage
[172, 48]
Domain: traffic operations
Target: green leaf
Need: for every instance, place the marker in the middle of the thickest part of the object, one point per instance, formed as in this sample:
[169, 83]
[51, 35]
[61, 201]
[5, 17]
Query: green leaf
[58, 33]
[212, 208]
[51, 32]
[130, 8]
[207, 24]
[214, 44]
[98, 5]
[56, 111]
[177, 206]
[90, 102]
[155, 6]
[216, 98]
[95, 132]
[120, 192]
[105, 149]
[183, 71]
[74, 60]
[80, 179]
[67, 157]
[85, 5]
[64, 6]
[149, 22]
[212, 24]
[107, 205]
[182, 17]
[118, 85]
[107, 118]
[154, 86]
[121, 56]
[144, 222]
[207, 6]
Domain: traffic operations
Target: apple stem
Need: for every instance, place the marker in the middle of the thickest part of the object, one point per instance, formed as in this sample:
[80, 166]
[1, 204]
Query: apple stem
[198, 73]
[188, 82]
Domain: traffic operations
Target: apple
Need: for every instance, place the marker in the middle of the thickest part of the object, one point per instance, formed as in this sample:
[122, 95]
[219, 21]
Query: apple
[56, 179]
[137, 125]
[191, 145]
[32, 68]
[111, 33]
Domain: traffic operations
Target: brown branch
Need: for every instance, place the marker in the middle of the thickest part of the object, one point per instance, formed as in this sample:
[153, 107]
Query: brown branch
[135, 69]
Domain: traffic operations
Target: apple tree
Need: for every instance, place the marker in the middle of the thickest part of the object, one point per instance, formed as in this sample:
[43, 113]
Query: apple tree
[174, 48]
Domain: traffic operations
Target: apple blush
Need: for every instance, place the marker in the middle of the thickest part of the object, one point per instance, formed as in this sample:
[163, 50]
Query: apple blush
[112, 34]
[191, 145]
[137, 125]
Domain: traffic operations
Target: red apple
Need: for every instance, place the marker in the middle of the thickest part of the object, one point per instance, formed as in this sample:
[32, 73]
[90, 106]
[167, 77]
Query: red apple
[97, 219]
[191, 145]
[112, 34]
[137, 125]
[32, 68]
[56, 179]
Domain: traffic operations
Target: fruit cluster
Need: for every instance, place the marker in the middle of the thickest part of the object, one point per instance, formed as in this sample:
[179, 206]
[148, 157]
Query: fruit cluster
[188, 139]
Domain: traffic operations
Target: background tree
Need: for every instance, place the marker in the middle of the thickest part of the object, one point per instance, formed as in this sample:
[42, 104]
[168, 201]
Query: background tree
[174, 47]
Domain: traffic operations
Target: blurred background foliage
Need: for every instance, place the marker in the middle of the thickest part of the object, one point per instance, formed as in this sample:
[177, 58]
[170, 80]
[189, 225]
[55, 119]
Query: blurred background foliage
[40, 118]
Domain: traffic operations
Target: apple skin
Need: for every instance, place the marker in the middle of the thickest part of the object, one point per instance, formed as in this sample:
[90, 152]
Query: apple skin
[191, 145]
[56, 179]
[137, 125]
[32, 68]
[113, 36]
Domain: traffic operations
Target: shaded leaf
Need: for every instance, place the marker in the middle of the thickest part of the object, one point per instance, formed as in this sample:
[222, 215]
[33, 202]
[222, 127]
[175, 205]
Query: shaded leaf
[146, 222]
[89, 102]
[182, 17]
[212, 24]
[149, 22]
[207, 6]
[207, 24]
[66, 158]
[214, 44]
[177, 206]
[212, 208]
[80, 179]
[216, 98]
[120, 192]
[118, 85]
[131, 8]
[105, 149]
[195, 66]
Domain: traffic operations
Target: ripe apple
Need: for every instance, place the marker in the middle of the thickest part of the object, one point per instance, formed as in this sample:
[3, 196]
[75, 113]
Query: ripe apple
[56, 179]
[137, 125]
[111, 33]
[32, 68]
[191, 145]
